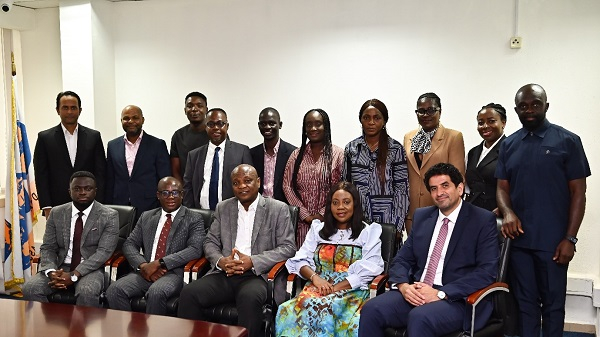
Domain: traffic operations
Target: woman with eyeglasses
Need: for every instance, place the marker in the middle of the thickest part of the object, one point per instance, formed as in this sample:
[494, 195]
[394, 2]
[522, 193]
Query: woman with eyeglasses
[311, 170]
[482, 159]
[376, 164]
[340, 257]
[428, 145]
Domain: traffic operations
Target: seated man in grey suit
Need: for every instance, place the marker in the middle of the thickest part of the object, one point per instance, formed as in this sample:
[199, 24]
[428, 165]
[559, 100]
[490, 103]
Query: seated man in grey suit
[170, 237]
[80, 236]
[206, 179]
[248, 236]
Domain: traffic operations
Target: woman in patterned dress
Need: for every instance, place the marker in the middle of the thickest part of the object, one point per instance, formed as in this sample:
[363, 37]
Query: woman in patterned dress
[339, 258]
[311, 170]
[376, 164]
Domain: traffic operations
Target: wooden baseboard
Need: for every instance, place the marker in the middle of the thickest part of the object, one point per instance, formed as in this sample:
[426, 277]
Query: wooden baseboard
[583, 328]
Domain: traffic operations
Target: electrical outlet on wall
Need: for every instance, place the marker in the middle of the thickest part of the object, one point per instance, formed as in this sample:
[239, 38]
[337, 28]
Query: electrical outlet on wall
[516, 42]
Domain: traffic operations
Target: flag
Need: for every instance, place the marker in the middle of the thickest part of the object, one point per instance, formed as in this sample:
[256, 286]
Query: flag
[21, 205]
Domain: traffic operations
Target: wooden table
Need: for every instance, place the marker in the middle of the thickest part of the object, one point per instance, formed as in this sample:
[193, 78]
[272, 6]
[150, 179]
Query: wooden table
[32, 319]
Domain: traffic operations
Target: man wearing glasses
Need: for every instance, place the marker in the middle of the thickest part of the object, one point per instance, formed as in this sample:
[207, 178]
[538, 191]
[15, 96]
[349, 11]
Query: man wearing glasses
[169, 236]
[207, 173]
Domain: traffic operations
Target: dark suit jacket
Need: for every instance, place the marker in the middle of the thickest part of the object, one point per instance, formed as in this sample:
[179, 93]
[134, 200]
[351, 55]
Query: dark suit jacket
[53, 166]
[98, 239]
[272, 234]
[481, 180]
[151, 164]
[184, 242]
[471, 261]
[258, 158]
[193, 179]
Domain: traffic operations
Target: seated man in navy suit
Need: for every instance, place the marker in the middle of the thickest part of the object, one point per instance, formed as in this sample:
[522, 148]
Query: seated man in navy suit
[451, 252]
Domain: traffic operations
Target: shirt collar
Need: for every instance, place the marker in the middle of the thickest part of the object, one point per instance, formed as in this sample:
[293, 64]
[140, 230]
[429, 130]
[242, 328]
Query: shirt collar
[66, 132]
[173, 214]
[213, 146]
[252, 205]
[540, 131]
[275, 149]
[452, 216]
[86, 212]
[137, 140]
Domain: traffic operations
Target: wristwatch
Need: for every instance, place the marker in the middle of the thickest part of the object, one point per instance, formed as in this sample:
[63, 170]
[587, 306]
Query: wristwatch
[572, 239]
[74, 278]
[163, 265]
[441, 295]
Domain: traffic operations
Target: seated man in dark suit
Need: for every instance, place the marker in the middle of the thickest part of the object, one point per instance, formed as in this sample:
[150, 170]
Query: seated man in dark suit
[271, 156]
[169, 237]
[249, 235]
[80, 236]
[451, 252]
[206, 180]
[135, 164]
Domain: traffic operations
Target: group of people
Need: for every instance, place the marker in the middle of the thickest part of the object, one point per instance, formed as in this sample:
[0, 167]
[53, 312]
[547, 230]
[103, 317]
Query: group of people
[343, 195]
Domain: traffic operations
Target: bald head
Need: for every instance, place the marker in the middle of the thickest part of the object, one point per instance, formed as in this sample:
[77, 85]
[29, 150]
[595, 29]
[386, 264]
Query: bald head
[244, 169]
[531, 106]
[169, 181]
[132, 121]
[245, 182]
[531, 89]
[170, 194]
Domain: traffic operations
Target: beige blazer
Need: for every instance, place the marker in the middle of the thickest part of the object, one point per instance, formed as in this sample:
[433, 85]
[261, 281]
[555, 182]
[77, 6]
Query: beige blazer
[447, 146]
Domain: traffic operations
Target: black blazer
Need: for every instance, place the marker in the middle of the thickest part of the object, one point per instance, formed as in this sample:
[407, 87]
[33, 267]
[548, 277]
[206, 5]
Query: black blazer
[258, 158]
[193, 178]
[53, 167]
[481, 179]
[151, 164]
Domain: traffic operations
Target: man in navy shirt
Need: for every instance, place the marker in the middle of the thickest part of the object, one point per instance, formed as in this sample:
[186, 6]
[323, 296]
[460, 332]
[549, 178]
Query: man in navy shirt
[541, 171]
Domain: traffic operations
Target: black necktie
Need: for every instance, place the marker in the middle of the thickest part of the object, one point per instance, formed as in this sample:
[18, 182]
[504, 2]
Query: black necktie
[76, 256]
[213, 188]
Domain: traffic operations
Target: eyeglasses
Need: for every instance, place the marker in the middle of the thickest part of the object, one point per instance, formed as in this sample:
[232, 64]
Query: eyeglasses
[78, 189]
[219, 124]
[429, 111]
[175, 194]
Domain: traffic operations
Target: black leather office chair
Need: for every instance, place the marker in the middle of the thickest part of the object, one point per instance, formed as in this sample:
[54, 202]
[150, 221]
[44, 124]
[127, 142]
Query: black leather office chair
[499, 291]
[227, 313]
[139, 303]
[126, 218]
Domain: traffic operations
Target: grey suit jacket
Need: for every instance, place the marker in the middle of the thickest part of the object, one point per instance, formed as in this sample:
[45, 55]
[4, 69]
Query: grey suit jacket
[272, 234]
[193, 178]
[184, 242]
[98, 239]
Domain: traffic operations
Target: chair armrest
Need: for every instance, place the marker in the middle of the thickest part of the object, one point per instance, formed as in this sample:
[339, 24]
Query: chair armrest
[35, 263]
[479, 295]
[378, 284]
[201, 264]
[114, 265]
[277, 268]
[187, 271]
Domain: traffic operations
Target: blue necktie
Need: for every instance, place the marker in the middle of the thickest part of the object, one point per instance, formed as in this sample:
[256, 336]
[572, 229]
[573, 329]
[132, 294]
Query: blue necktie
[213, 188]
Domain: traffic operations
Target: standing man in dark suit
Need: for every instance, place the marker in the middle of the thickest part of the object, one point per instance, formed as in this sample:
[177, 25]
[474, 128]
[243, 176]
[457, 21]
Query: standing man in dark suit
[542, 170]
[135, 164]
[64, 149]
[191, 136]
[271, 156]
[248, 236]
[80, 236]
[451, 252]
[169, 237]
[207, 177]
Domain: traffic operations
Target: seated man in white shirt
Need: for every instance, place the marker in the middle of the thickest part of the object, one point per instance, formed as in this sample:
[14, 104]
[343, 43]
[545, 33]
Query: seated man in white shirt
[248, 236]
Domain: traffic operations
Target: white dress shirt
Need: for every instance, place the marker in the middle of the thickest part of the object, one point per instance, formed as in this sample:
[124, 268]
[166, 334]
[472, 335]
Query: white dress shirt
[245, 224]
[438, 225]
[204, 203]
[161, 224]
[74, 216]
[486, 150]
[71, 140]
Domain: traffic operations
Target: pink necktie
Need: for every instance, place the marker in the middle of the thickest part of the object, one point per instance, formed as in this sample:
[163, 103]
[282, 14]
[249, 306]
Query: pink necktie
[437, 253]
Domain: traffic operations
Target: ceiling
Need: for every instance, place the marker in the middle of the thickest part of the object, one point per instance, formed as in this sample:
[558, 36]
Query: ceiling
[37, 4]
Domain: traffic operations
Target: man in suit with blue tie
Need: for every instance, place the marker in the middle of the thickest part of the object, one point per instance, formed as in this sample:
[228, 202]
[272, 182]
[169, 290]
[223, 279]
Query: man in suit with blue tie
[248, 236]
[135, 164]
[207, 180]
[65, 149]
[80, 236]
[451, 252]
[271, 156]
[170, 237]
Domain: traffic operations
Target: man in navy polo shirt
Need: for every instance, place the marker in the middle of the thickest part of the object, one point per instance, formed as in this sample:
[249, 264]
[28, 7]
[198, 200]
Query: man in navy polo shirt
[541, 171]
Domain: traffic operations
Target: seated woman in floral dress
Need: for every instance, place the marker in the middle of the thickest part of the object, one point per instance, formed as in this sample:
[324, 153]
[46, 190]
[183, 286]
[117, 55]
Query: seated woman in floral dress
[339, 258]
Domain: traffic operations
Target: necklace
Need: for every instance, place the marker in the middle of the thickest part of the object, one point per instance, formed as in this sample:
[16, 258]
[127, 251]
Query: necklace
[343, 233]
[374, 146]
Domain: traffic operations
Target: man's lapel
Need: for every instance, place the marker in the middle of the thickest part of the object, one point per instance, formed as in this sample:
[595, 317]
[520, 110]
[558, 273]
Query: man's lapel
[61, 144]
[176, 221]
[90, 222]
[259, 218]
[81, 140]
[459, 227]
[139, 156]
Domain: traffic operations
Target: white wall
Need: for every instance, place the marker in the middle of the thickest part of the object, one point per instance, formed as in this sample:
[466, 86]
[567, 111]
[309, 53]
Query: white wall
[335, 55]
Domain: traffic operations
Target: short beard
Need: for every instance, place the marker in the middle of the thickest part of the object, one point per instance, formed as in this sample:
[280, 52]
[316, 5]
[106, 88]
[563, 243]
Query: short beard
[82, 206]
